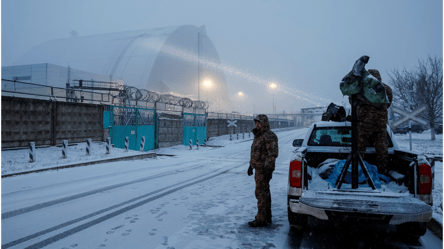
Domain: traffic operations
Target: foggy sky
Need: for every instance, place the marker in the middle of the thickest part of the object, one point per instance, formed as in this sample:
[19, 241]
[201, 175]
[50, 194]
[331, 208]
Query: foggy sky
[305, 47]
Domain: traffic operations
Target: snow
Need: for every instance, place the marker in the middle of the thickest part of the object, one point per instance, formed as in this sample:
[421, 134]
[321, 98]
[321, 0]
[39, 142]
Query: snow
[16, 161]
[421, 142]
[192, 199]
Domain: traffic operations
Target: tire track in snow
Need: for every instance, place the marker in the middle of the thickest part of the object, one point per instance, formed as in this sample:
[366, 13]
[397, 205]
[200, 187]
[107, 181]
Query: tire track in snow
[99, 177]
[20, 211]
[82, 227]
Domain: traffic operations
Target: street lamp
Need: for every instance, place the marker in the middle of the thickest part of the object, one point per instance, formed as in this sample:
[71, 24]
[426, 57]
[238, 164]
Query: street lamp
[272, 87]
[207, 83]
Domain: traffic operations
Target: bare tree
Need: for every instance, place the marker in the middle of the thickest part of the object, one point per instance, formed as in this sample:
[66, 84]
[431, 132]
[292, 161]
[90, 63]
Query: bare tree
[422, 86]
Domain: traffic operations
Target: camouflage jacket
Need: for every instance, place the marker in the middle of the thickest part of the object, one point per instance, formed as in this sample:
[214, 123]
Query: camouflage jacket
[264, 149]
[379, 113]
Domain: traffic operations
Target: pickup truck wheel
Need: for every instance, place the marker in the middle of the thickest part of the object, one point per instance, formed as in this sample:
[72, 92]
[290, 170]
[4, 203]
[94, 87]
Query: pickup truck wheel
[412, 230]
[297, 221]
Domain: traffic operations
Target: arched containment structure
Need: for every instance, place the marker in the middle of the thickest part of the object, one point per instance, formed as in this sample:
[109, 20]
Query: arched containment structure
[165, 60]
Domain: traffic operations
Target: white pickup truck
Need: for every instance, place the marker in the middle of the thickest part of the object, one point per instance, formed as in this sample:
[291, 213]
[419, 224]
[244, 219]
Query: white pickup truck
[404, 202]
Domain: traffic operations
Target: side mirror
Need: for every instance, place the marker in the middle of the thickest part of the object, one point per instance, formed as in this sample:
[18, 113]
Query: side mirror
[297, 142]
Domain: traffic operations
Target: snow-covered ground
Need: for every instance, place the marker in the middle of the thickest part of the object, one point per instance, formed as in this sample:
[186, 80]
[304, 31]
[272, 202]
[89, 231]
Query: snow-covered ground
[421, 142]
[196, 199]
[16, 161]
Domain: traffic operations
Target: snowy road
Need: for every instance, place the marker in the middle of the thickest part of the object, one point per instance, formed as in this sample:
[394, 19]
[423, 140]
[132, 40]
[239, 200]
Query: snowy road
[197, 199]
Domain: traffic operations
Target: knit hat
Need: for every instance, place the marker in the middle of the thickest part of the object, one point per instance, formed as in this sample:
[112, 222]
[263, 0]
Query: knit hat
[375, 73]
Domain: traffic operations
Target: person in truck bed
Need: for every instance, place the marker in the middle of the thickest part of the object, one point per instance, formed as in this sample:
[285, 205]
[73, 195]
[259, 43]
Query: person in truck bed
[264, 152]
[372, 121]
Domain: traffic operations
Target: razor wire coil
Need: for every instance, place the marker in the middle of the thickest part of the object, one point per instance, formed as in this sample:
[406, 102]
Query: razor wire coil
[132, 93]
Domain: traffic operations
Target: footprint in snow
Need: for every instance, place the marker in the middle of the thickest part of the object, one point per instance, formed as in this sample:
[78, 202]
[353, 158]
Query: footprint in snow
[153, 232]
[126, 233]
[114, 229]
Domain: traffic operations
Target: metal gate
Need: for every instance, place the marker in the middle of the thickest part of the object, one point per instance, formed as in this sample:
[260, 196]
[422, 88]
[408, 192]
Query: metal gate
[194, 128]
[134, 123]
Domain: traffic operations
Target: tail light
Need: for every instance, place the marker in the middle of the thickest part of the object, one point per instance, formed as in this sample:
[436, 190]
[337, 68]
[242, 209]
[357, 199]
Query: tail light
[295, 174]
[425, 179]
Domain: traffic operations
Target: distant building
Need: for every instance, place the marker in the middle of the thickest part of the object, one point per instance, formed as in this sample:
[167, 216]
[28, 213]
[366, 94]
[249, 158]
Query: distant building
[164, 60]
[49, 74]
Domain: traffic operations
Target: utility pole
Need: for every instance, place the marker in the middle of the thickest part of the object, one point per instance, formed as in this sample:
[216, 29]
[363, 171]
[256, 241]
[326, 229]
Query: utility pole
[200, 41]
[274, 107]
[198, 66]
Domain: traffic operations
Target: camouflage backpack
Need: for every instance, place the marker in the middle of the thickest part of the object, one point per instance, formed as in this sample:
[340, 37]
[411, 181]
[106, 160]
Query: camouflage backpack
[359, 81]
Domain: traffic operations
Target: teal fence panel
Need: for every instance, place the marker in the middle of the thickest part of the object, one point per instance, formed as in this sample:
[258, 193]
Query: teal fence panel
[148, 132]
[201, 134]
[107, 119]
[201, 127]
[133, 123]
[189, 132]
[119, 132]
[194, 127]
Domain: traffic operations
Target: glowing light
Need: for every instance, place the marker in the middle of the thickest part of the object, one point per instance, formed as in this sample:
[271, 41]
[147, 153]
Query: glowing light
[273, 86]
[240, 94]
[207, 83]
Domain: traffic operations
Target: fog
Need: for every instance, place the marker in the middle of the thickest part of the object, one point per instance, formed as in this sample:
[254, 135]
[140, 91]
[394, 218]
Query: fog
[305, 47]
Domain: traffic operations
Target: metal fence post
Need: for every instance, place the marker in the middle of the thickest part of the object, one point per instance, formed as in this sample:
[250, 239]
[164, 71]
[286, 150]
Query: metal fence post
[31, 151]
[88, 146]
[126, 143]
[108, 144]
[197, 143]
[191, 144]
[65, 149]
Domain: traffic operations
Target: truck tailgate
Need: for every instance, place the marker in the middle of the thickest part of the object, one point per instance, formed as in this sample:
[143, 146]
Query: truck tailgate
[365, 202]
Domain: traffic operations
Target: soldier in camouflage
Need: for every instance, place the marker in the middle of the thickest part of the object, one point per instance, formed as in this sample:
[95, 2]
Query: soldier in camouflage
[264, 152]
[372, 121]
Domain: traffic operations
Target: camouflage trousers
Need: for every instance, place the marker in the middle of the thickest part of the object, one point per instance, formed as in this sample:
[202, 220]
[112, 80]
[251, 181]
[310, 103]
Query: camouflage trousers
[372, 125]
[263, 196]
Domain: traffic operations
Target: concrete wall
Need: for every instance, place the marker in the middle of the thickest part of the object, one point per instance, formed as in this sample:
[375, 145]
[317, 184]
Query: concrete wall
[48, 122]
[26, 120]
[170, 130]
[218, 127]
[77, 122]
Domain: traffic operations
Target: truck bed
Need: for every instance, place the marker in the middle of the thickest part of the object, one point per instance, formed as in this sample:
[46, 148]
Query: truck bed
[374, 202]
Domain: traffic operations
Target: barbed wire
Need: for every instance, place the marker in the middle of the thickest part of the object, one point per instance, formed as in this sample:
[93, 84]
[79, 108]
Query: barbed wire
[133, 93]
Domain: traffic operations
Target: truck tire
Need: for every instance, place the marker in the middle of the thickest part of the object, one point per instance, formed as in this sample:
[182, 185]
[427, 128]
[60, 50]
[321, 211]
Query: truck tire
[297, 221]
[412, 230]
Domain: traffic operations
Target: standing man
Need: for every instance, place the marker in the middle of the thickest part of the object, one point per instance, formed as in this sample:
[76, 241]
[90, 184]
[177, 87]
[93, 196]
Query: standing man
[372, 123]
[264, 152]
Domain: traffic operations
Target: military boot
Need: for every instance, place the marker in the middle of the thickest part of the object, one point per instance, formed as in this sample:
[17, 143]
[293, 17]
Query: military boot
[256, 223]
[269, 221]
